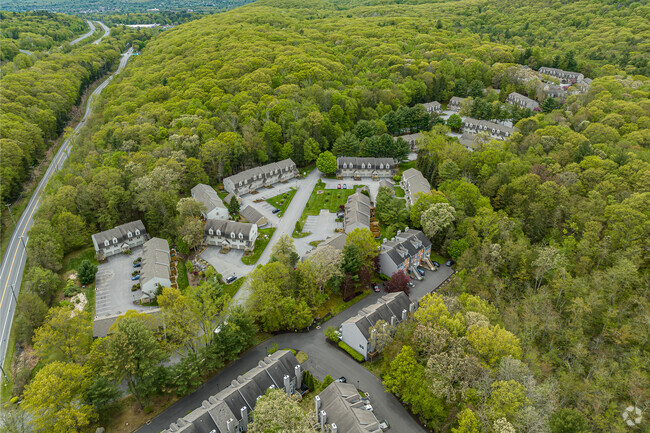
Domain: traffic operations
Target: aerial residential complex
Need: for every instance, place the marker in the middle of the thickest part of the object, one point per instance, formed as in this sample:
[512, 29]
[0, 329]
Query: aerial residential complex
[522, 101]
[365, 167]
[495, 130]
[230, 234]
[414, 183]
[341, 409]
[258, 177]
[156, 262]
[357, 212]
[119, 239]
[214, 206]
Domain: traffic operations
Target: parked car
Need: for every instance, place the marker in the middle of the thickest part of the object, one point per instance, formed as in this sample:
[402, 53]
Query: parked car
[275, 210]
[230, 279]
[421, 272]
[341, 379]
[338, 186]
[436, 264]
[410, 284]
[450, 263]
[345, 186]
[137, 265]
[375, 287]
[135, 277]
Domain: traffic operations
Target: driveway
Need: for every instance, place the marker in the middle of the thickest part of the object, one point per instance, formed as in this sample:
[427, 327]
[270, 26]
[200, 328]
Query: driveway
[373, 185]
[227, 264]
[320, 226]
[113, 295]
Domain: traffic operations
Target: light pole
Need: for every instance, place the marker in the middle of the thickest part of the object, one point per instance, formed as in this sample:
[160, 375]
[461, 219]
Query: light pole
[10, 214]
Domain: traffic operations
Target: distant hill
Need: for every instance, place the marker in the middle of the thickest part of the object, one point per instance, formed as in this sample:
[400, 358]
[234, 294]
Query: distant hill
[111, 6]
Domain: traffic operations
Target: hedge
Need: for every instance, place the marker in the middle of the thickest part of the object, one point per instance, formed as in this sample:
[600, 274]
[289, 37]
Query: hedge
[353, 353]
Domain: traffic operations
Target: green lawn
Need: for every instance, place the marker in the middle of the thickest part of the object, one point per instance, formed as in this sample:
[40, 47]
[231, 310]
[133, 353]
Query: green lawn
[335, 304]
[406, 165]
[231, 289]
[329, 199]
[181, 277]
[282, 201]
[435, 257]
[399, 192]
[72, 260]
[260, 244]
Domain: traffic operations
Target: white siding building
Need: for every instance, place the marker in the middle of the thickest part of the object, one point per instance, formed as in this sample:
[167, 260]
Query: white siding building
[414, 183]
[214, 206]
[156, 261]
[119, 239]
[258, 177]
[230, 234]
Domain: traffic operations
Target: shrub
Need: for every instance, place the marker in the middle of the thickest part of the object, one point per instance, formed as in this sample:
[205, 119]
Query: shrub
[327, 381]
[189, 266]
[332, 334]
[71, 289]
[14, 400]
[299, 226]
[353, 353]
[86, 272]
[397, 178]
[273, 349]
[384, 277]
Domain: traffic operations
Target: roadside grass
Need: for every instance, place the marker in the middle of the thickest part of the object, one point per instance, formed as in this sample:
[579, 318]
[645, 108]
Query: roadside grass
[307, 169]
[6, 390]
[126, 416]
[181, 276]
[282, 201]
[260, 246]
[314, 243]
[399, 192]
[232, 288]
[435, 257]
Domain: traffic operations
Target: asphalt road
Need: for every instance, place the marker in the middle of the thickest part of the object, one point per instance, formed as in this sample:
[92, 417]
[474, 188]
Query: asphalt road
[13, 261]
[107, 32]
[82, 37]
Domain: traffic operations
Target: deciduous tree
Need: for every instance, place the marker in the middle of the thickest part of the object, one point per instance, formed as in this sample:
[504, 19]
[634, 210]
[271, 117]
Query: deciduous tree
[66, 334]
[275, 412]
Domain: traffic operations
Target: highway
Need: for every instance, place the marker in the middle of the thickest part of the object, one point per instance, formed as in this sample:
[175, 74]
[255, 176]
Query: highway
[13, 261]
[107, 32]
[82, 37]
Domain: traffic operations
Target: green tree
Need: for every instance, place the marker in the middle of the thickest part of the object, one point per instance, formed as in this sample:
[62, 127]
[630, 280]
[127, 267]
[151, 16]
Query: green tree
[56, 398]
[311, 150]
[86, 272]
[365, 244]
[189, 207]
[493, 343]
[66, 334]
[233, 206]
[43, 282]
[132, 354]
[569, 421]
[102, 393]
[284, 252]
[326, 162]
[437, 218]
[467, 423]
[455, 122]
[277, 412]
[31, 315]
[346, 145]
[506, 399]
[191, 232]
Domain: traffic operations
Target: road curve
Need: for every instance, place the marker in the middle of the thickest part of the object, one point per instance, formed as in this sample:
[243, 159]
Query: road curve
[13, 261]
[107, 32]
[82, 37]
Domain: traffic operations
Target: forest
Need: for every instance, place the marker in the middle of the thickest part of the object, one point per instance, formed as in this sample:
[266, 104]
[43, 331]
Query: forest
[36, 31]
[545, 323]
[121, 6]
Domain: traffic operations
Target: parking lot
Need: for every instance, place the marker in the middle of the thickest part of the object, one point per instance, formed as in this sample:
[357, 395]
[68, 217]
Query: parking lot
[226, 264]
[113, 284]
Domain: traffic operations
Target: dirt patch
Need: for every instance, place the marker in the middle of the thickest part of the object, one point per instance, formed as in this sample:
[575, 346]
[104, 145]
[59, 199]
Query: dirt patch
[129, 416]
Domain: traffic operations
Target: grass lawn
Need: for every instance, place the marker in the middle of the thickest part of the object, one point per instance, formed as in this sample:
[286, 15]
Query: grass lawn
[260, 245]
[329, 199]
[406, 165]
[335, 304]
[282, 201]
[307, 169]
[181, 277]
[435, 257]
[231, 289]
[72, 260]
[399, 192]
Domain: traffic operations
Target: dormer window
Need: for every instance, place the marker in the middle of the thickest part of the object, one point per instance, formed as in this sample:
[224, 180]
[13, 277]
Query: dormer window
[129, 235]
[218, 232]
[211, 232]
[369, 165]
[232, 235]
[345, 165]
[241, 236]
[106, 243]
[137, 232]
[114, 240]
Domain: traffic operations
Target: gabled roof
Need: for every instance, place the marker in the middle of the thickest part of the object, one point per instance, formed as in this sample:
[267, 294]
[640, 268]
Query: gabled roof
[265, 170]
[357, 209]
[455, 100]
[208, 196]
[375, 163]
[518, 98]
[387, 184]
[155, 260]
[335, 243]
[434, 104]
[387, 306]
[252, 215]
[405, 244]
[416, 181]
[343, 405]
[470, 121]
[120, 233]
[226, 227]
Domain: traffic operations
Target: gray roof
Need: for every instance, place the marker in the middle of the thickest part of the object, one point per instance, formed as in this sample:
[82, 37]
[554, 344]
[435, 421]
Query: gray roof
[435, 105]
[387, 184]
[243, 391]
[267, 170]
[343, 406]
[455, 100]
[557, 71]
[518, 98]
[155, 260]
[375, 163]
[227, 227]
[411, 138]
[253, 216]
[208, 196]
[487, 125]
[387, 306]
[336, 242]
[102, 325]
[416, 181]
[405, 244]
[357, 209]
[120, 233]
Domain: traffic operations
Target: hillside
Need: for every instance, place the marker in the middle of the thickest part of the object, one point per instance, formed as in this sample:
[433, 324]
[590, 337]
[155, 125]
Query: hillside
[550, 227]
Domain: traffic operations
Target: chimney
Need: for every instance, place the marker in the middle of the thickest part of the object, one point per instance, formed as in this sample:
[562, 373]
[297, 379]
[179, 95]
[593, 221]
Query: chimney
[392, 320]
[244, 418]
[323, 419]
[406, 229]
[298, 371]
[334, 428]
[287, 381]
[317, 405]
[205, 404]
[399, 232]
[231, 425]
[403, 314]
[412, 307]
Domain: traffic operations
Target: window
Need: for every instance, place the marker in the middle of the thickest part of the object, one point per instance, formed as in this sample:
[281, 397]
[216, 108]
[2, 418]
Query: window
[211, 231]
[218, 232]
[106, 243]
[129, 235]
[232, 235]
[137, 232]
[369, 166]
[114, 240]
[241, 236]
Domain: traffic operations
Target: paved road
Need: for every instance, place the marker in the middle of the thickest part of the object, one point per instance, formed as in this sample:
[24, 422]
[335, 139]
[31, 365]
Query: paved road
[82, 37]
[13, 262]
[29, 53]
[107, 32]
